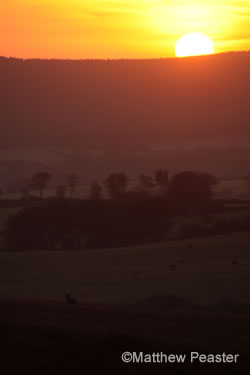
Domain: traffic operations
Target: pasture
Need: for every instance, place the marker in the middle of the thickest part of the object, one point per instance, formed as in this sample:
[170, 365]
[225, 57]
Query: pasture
[174, 296]
[206, 270]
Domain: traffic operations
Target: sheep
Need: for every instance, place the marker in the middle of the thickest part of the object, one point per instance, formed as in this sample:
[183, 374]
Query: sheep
[172, 266]
[182, 261]
[235, 262]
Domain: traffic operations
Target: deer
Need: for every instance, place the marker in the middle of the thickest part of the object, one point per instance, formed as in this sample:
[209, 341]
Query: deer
[71, 301]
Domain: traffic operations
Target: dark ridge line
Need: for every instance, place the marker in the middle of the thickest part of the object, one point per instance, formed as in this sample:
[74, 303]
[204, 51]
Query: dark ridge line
[153, 59]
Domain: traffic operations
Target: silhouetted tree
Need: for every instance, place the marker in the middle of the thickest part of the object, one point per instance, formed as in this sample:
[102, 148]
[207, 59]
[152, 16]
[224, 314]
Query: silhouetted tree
[72, 180]
[39, 182]
[162, 180]
[95, 192]
[191, 191]
[146, 183]
[76, 224]
[116, 184]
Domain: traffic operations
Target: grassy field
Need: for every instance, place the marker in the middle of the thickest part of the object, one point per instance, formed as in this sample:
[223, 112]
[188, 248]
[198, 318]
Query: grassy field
[119, 309]
[200, 270]
[172, 297]
[43, 338]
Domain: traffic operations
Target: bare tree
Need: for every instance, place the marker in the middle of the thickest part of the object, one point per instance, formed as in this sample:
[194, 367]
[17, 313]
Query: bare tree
[39, 182]
[146, 183]
[116, 184]
[72, 180]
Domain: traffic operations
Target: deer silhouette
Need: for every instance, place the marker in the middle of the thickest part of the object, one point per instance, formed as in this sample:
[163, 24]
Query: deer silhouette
[70, 300]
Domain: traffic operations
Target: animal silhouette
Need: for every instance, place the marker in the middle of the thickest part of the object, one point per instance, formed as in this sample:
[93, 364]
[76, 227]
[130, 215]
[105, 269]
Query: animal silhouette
[235, 262]
[173, 266]
[182, 261]
[71, 301]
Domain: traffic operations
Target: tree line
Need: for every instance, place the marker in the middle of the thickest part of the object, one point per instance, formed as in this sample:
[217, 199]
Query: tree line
[117, 184]
[129, 217]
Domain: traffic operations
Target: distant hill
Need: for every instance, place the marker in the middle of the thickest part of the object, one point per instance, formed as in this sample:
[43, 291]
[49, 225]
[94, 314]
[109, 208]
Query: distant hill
[122, 103]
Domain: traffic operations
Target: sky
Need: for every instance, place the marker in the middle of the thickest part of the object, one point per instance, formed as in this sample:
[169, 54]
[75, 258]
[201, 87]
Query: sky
[111, 29]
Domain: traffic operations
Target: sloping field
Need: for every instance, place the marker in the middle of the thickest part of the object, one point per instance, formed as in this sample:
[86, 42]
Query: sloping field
[55, 339]
[202, 270]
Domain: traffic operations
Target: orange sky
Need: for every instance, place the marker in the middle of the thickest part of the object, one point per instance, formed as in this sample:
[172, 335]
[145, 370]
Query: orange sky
[118, 29]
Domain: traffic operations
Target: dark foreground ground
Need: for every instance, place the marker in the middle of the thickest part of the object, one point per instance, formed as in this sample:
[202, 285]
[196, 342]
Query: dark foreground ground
[52, 338]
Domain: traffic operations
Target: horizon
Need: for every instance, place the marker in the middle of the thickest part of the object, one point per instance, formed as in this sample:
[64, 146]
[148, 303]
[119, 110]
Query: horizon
[184, 58]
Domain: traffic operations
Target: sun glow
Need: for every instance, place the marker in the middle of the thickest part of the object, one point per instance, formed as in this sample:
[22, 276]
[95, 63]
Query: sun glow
[118, 28]
[194, 44]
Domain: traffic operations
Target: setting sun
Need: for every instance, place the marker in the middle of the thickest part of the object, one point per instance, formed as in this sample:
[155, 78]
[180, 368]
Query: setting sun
[194, 44]
[78, 29]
